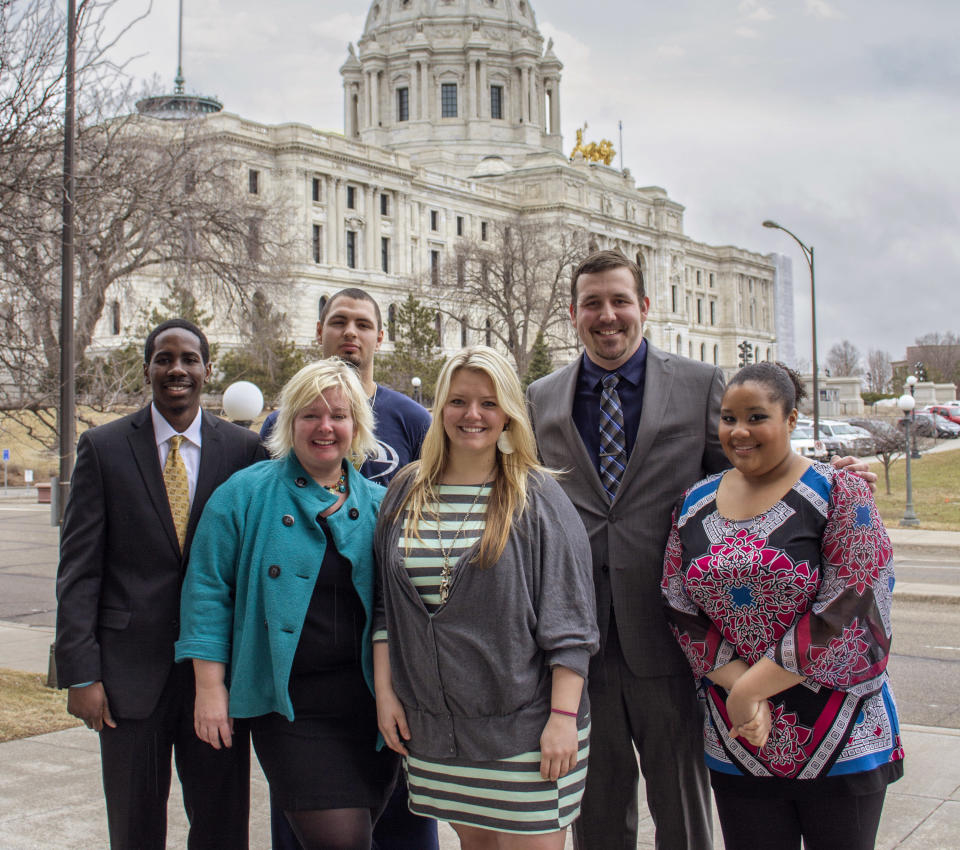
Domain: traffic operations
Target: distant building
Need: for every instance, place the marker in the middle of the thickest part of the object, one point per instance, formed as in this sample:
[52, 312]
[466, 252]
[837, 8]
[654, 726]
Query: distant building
[452, 123]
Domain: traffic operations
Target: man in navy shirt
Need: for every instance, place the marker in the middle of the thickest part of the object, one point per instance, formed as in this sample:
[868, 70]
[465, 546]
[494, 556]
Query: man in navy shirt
[351, 328]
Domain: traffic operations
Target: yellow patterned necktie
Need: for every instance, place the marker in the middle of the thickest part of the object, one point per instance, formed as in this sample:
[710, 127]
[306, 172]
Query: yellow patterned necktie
[178, 488]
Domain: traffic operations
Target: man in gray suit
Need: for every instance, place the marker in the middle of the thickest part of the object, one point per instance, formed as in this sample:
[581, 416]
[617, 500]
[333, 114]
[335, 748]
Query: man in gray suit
[634, 426]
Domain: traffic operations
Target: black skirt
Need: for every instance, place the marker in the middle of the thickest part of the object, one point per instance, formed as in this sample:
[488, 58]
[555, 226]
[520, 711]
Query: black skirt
[326, 758]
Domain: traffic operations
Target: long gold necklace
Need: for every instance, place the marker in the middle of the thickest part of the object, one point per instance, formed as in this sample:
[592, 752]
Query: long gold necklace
[446, 571]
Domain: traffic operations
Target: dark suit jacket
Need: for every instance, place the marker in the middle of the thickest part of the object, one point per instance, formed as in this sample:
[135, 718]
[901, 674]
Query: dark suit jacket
[118, 585]
[676, 445]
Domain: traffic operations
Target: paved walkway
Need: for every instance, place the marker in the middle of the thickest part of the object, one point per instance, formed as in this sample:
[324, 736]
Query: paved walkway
[51, 797]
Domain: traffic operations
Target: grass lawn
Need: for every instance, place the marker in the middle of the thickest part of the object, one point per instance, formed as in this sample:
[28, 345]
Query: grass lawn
[28, 707]
[936, 491]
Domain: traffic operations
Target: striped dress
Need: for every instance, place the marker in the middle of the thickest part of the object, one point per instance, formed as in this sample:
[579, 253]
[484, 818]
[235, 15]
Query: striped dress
[507, 795]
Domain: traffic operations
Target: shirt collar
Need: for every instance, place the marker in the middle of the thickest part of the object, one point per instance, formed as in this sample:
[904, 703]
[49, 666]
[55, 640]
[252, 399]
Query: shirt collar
[163, 430]
[632, 371]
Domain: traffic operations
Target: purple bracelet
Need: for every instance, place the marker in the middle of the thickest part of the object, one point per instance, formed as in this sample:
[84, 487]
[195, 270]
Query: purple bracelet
[564, 713]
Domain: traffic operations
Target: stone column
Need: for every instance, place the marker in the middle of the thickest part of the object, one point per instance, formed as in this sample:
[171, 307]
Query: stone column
[341, 238]
[426, 91]
[484, 109]
[555, 106]
[525, 95]
[374, 99]
[330, 195]
[471, 104]
[370, 255]
[401, 233]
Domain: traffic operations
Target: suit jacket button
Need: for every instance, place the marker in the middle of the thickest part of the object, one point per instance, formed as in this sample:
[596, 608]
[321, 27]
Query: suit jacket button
[353, 513]
[613, 518]
[605, 569]
[287, 520]
[274, 571]
[301, 482]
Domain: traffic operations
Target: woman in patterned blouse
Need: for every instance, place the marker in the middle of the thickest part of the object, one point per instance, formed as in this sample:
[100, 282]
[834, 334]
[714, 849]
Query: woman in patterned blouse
[778, 578]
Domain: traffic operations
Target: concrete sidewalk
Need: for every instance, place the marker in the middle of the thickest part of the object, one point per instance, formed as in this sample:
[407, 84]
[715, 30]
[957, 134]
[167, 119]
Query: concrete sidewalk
[51, 797]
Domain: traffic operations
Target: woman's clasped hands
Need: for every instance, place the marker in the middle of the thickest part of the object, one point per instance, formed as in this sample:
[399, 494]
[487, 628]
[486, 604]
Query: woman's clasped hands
[749, 717]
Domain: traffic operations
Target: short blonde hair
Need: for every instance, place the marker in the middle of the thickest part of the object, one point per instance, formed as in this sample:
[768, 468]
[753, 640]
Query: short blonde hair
[304, 388]
[508, 496]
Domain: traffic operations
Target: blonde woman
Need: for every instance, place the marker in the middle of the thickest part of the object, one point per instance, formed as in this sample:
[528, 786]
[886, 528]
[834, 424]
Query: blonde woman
[280, 587]
[485, 620]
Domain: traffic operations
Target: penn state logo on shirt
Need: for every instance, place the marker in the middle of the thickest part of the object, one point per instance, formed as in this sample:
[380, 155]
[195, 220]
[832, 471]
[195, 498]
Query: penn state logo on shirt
[383, 464]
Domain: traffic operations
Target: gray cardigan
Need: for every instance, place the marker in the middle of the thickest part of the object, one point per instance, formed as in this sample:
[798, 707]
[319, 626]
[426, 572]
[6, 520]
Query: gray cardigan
[475, 677]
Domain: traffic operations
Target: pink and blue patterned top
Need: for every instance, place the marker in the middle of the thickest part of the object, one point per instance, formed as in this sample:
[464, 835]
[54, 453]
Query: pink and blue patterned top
[808, 584]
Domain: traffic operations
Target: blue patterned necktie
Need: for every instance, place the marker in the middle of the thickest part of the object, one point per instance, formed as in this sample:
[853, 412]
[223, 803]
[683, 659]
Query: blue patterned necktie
[613, 445]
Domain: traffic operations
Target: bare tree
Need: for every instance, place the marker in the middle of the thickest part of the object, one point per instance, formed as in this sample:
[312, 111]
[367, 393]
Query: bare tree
[879, 371]
[155, 200]
[513, 286]
[843, 360]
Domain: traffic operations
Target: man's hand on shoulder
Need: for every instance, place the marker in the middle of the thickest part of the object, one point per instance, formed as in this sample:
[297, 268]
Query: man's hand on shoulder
[90, 705]
[858, 467]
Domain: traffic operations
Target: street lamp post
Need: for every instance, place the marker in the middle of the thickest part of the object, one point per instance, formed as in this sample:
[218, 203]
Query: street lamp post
[912, 446]
[906, 403]
[808, 256]
[417, 396]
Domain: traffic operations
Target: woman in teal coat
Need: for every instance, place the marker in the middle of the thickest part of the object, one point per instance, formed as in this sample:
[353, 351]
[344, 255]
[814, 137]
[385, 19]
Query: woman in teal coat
[279, 592]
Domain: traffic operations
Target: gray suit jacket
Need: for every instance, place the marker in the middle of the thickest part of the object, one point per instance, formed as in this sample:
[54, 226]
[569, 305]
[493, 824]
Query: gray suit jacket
[676, 445]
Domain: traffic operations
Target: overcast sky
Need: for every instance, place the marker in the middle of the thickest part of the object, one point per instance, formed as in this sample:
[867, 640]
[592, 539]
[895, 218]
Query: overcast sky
[840, 119]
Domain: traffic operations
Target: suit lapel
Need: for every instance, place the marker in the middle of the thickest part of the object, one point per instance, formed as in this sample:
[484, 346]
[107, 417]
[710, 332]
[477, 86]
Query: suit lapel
[656, 394]
[143, 443]
[211, 461]
[582, 462]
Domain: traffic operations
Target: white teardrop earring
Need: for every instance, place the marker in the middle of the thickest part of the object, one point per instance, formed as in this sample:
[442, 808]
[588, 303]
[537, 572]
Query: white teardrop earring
[504, 443]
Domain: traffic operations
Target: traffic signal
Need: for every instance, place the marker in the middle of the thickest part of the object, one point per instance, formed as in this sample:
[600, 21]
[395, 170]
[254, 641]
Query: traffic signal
[746, 352]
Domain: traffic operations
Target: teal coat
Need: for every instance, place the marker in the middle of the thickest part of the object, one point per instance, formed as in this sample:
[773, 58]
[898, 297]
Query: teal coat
[253, 565]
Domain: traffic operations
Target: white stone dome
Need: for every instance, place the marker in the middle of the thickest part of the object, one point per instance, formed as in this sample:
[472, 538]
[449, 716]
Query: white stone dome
[387, 15]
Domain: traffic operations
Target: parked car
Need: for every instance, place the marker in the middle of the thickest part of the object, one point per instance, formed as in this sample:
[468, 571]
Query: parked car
[947, 411]
[801, 441]
[832, 445]
[845, 439]
[885, 436]
[932, 425]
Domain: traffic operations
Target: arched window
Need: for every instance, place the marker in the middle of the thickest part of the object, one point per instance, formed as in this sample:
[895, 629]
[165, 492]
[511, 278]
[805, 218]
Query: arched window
[392, 322]
[438, 325]
[321, 304]
[488, 333]
[115, 317]
[768, 355]
[463, 331]
[703, 352]
[679, 343]
[690, 349]
[716, 355]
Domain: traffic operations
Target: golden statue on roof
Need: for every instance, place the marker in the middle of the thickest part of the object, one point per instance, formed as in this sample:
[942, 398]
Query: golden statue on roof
[592, 151]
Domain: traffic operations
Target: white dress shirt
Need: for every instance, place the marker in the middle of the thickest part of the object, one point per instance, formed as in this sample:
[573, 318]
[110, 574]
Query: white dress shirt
[189, 446]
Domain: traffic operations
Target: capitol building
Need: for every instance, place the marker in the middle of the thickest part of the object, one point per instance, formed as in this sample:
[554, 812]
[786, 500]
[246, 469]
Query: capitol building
[451, 128]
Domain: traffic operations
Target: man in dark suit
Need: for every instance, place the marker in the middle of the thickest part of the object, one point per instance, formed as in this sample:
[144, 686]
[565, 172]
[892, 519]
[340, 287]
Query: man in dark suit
[138, 488]
[635, 426]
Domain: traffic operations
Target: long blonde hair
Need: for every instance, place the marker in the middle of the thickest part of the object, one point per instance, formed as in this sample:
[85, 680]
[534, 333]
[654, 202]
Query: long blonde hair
[508, 494]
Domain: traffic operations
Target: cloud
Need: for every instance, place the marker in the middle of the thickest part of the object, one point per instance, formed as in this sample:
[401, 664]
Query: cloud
[746, 32]
[754, 11]
[671, 51]
[822, 9]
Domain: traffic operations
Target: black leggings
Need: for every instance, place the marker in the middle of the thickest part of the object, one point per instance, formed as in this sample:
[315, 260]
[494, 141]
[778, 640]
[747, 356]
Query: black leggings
[765, 823]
